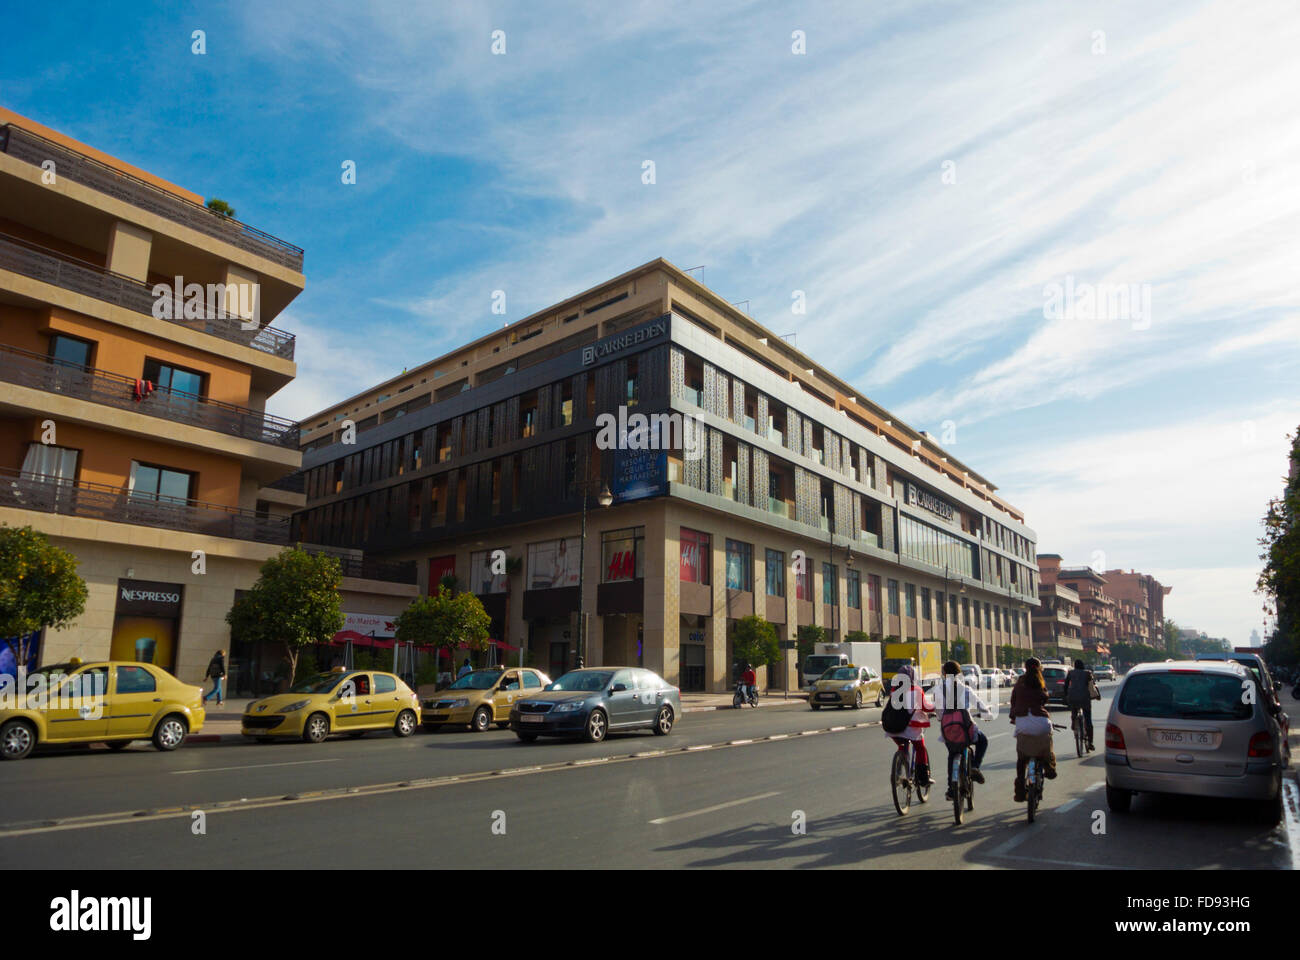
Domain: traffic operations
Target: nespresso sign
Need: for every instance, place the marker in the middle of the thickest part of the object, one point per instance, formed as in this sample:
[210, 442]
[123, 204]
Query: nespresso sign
[621, 341]
[926, 500]
[148, 599]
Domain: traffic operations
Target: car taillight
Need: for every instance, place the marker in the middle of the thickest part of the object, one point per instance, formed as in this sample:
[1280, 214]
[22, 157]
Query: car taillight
[1261, 745]
[1114, 738]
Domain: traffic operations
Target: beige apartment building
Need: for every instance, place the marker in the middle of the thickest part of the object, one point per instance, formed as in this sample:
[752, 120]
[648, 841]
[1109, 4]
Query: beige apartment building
[133, 435]
[799, 499]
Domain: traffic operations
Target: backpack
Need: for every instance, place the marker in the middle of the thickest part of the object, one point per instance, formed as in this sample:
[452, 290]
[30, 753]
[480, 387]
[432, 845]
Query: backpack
[894, 719]
[955, 725]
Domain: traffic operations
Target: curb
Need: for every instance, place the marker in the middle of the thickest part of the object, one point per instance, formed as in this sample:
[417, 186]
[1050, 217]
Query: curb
[761, 703]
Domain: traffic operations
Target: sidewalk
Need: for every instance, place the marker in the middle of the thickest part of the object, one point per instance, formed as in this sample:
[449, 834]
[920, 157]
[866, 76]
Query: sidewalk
[222, 723]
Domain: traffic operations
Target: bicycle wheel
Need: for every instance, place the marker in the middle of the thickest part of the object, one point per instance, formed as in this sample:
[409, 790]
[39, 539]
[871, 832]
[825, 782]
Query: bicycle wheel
[1080, 734]
[1031, 789]
[970, 782]
[900, 785]
[958, 788]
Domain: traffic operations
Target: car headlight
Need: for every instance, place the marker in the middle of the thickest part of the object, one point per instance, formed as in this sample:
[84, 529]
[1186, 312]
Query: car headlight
[847, 687]
[297, 705]
[462, 702]
[569, 706]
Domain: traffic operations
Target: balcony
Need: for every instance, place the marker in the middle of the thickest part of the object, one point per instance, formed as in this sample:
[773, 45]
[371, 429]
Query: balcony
[78, 276]
[866, 536]
[693, 395]
[782, 508]
[34, 149]
[365, 568]
[99, 501]
[32, 370]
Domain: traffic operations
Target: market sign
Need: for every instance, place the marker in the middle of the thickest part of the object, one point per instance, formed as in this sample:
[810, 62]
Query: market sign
[621, 341]
[381, 625]
[919, 497]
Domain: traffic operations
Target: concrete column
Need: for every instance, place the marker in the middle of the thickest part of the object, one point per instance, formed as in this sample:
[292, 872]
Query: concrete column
[128, 250]
[661, 620]
[242, 294]
[717, 664]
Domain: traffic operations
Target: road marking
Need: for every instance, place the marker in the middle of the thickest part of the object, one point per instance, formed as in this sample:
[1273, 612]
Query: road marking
[702, 746]
[737, 743]
[252, 766]
[1291, 818]
[778, 736]
[715, 807]
[836, 729]
[584, 763]
[1067, 807]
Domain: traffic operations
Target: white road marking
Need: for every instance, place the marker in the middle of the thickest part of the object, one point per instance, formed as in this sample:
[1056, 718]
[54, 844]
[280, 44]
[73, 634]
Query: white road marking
[1291, 818]
[251, 766]
[778, 736]
[716, 806]
[737, 743]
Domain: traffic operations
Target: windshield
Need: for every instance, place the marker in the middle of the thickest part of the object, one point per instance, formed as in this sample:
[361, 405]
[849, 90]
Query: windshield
[840, 673]
[321, 683]
[589, 680]
[478, 680]
[1186, 695]
[894, 664]
[820, 664]
[1053, 673]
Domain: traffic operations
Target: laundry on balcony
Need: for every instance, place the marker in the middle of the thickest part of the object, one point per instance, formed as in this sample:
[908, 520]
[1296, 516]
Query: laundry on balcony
[142, 389]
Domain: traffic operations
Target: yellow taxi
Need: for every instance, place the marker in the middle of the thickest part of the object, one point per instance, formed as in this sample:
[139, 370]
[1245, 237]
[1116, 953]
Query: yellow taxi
[847, 686]
[112, 702]
[482, 697]
[353, 702]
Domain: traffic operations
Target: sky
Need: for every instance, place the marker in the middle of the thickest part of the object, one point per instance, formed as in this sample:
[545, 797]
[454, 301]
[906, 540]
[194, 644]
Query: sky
[1062, 238]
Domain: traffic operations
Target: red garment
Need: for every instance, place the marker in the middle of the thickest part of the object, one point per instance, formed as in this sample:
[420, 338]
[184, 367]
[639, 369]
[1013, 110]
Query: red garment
[142, 389]
[748, 678]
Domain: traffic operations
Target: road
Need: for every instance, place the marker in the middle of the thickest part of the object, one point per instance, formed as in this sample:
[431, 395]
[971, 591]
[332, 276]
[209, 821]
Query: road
[718, 792]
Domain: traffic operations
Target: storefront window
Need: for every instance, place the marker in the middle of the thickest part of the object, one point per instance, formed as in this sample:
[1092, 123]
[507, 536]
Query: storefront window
[854, 589]
[622, 554]
[553, 563]
[740, 565]
[830, 586]
[775, 573]
[695, 561]
[487, 571]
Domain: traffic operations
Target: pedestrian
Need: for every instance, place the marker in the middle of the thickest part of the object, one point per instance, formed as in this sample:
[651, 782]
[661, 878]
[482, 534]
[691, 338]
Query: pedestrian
[1033, 725]
[464, 669]
[217, 674]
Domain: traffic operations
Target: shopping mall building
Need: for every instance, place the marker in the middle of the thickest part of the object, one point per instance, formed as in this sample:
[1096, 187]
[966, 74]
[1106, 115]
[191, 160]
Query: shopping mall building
[778, 490]
[133, 430]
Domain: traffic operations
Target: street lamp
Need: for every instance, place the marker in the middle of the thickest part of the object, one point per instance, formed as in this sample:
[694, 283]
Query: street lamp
[603, 497]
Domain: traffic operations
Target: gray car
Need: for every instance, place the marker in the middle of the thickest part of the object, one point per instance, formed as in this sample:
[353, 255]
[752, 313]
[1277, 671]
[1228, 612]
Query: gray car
[592, 702]
[1196, 728]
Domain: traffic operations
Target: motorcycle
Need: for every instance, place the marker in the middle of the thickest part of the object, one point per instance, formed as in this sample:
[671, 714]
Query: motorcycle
[744, 695]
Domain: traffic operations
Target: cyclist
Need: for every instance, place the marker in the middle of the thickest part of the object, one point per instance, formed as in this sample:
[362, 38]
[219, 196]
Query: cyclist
[954, 694]
[1080, 691]
[912, 697]
[1033, 724]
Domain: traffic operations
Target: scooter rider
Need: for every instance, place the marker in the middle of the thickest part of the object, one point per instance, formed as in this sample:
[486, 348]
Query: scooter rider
[749, 684]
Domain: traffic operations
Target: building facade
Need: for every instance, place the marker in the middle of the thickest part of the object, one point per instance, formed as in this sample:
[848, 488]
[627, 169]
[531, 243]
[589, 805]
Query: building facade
[773, 488]
[133, 424]
[1057, 623]
[1140, 609]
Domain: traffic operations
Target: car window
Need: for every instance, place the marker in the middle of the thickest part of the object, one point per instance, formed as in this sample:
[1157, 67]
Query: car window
[92, 682]
[135, 680]
[510, 682]
[1186, 695]
[624, 677]
[385, 683]
[649, 680]
[531, 680]
[361, 684]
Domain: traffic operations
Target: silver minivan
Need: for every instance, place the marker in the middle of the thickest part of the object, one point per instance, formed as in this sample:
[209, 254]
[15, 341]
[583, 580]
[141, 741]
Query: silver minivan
[1196, 728]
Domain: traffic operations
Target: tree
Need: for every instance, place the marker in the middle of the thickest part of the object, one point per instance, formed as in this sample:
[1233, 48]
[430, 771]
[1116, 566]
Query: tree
[1279, 580]
[295, 602]
[1008, 653]
[756, 642]
[39, 587]
[221, 208]
[445, 621]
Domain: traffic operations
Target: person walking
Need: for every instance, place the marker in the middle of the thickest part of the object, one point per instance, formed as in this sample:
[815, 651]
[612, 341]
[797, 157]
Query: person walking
[464, 669]
[217, 674]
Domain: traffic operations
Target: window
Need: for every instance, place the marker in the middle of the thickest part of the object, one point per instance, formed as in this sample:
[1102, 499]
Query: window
[566, 403]
[135, 680]
[487, 573]
[695, 557]
[46, 461]
[997, 619]
[854, 588]
[528, 415]
[830, 585]
[910, 600]
[633, 383]
[740, 565]
[159, 483]
[893, 597]
[952, 608]
[69, 351]
[553, 563]
[385, 683]
[532, 681]
[939, 607]
[988, 618]
[925, 604]
[802, 582]
[174, 379]
[622, 554]
[965, 611]
[775, 571]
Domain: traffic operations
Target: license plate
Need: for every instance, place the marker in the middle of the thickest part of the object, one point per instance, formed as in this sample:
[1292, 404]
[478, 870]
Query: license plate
[1182, 738]
[531, 718]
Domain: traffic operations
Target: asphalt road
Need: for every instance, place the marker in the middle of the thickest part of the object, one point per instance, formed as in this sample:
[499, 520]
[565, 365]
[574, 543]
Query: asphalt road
[553, 804]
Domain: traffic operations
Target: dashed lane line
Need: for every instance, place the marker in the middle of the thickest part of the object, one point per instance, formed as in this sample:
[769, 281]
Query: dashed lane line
[714, 808]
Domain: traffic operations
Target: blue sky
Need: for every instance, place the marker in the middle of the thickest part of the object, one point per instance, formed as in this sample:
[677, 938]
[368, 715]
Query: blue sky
[924, 173]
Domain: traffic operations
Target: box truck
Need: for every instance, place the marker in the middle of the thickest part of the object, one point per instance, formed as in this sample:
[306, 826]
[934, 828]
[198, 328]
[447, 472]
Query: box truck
[923, 654]
[859, 653]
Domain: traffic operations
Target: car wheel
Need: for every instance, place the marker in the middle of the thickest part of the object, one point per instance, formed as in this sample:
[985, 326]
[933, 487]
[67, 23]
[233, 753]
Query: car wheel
[170, 733]
[116, 745]
[597, 726]
[664, 722]
[857, 700]
[1118, 800]
[481, 721]
[815, 706]
[17, 738]
[880, 699]
[316, 729]
[1270, 811]
[405, 725]
[526, 737]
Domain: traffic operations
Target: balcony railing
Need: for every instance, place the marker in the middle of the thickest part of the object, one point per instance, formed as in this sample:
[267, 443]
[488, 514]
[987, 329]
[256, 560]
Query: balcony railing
[99, 501]
[34, 149]
[88, 279]
[365, 568]
[99, 386]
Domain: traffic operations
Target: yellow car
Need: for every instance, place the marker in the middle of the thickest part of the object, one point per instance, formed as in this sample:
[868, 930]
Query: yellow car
[482, 697]
[341, 701]
[112, 702]
[847, 686]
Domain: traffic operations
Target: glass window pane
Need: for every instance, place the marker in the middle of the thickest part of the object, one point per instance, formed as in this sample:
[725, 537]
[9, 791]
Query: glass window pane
[144, 480]
[173, 485]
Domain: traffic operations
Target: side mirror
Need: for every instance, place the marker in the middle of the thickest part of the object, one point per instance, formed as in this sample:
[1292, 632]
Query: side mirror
[618, 687]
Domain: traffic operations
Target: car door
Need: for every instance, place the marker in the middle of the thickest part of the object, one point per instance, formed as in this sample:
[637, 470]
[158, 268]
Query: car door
[509, 689]
[623, 705]
[383, 712]
[78, 707]
[134, 701]
[652, 691]
[356, 702]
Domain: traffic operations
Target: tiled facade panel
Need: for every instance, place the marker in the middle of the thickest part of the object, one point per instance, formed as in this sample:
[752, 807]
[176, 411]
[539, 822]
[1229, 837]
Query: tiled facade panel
[737, 401]
[694, 471]
[759, 486]
[723, 398]
[887, 527]
[844, 503]
[710, 397]
[677, 372]
[611, 389]
[793, 432]
[832, 451]
[654, 372]
[760, 415]
[846, 456]
[807, 436]
[715, 461]
[807, 493]
[857, 515]
[878, 472]
[742, 472]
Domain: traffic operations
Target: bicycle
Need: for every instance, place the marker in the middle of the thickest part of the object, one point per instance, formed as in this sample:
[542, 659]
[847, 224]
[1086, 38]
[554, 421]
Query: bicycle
[902, 778]
[1034, 780]
[1080, 729]
[963, 787]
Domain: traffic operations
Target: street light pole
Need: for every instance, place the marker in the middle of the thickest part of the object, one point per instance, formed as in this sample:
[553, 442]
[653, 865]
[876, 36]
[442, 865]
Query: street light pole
[604, 498]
